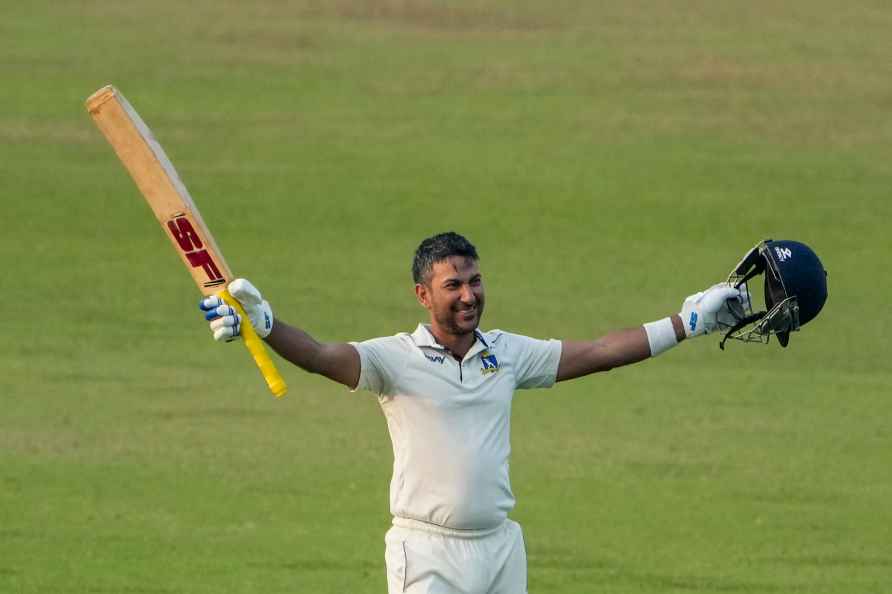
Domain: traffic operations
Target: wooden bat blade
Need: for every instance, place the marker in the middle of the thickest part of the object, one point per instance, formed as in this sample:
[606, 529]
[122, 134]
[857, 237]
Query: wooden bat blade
[175, 210]
[161, 186]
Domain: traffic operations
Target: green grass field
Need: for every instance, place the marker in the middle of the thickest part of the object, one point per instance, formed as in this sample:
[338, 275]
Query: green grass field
[607, 159]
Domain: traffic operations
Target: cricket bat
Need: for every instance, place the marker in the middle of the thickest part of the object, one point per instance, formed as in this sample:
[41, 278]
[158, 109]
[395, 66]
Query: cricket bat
[169, 199]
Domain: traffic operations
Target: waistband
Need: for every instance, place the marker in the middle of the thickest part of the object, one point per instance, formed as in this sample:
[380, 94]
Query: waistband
[443, 530]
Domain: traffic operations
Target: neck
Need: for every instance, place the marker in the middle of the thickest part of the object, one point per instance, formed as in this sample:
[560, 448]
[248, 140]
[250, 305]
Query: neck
[458, 344]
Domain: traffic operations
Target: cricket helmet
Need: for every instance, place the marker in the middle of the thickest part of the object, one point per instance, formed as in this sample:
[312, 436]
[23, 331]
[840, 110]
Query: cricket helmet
[795, 289]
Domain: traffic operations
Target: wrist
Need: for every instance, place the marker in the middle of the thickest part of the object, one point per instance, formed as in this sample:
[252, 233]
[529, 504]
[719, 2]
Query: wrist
[264, 321]
[678, 326]
[663, 334]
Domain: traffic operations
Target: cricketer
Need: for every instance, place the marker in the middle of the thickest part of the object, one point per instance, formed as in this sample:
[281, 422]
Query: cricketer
[446, 390]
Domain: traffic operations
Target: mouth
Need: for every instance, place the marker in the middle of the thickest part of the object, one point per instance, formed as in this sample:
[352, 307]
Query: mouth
[468, 315]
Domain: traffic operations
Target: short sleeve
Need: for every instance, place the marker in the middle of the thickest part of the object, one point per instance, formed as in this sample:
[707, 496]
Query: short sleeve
[536, 361]
[380, 361]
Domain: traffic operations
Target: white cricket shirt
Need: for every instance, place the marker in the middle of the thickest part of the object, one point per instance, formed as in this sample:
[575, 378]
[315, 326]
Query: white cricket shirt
[449, 421]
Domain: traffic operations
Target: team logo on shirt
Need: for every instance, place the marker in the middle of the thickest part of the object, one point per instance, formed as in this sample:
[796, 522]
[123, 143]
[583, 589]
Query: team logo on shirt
[490, 363]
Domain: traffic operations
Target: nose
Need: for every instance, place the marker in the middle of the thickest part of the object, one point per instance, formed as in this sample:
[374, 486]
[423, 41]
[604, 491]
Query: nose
[467, 295]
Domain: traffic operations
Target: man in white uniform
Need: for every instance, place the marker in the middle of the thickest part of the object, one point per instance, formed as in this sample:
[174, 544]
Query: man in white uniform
[446, 392]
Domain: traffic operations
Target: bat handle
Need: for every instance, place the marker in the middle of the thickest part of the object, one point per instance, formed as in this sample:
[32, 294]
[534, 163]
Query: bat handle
[255, 347]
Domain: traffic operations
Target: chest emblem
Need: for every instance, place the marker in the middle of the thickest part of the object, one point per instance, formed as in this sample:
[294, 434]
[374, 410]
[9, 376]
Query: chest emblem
[490, 363]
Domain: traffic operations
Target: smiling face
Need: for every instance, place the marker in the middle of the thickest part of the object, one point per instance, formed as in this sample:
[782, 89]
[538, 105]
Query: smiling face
[453, 294]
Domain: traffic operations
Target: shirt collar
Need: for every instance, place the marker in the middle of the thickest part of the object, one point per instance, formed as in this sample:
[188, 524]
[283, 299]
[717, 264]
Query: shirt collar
[423, 338]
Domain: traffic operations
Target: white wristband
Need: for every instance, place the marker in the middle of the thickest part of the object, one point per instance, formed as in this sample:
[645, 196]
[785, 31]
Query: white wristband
[660, 336]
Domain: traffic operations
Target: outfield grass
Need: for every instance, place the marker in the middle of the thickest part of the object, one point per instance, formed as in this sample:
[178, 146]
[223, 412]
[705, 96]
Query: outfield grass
[606, 158]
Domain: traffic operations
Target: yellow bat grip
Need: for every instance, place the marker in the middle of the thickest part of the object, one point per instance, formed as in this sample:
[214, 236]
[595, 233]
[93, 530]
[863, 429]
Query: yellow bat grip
[255, 347]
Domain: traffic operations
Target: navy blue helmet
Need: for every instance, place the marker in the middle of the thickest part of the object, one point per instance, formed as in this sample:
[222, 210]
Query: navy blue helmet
[795, 290]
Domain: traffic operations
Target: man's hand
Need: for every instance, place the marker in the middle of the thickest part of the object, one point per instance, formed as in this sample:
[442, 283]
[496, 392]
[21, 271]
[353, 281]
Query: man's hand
[715, 307]
[226, 323]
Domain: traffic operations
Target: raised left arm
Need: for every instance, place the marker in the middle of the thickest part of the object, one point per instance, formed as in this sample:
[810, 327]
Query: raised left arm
[618, 348]
[701, 313]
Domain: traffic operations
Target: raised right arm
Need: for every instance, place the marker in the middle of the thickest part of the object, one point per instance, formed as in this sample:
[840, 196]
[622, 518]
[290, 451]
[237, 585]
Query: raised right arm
[337, 361]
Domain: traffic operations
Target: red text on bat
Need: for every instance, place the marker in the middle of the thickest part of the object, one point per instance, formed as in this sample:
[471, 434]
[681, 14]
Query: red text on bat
[189, 241]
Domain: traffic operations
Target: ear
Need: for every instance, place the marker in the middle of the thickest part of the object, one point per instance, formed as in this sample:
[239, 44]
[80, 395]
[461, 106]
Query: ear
[422, 293]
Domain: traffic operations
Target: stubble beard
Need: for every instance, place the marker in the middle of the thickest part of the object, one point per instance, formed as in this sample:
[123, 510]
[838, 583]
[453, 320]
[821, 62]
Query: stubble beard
[451, 325]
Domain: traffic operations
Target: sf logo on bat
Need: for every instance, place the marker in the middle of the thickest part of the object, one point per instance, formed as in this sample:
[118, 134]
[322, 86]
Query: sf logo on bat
[187, 238]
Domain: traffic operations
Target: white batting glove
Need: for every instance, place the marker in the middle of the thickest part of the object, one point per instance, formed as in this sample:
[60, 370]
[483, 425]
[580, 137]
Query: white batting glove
[257, 308]
[713, 308]
[735, 309]
[226, 323]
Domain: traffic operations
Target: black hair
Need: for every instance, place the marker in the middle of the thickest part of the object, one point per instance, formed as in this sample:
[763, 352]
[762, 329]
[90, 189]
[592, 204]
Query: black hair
[436, 249]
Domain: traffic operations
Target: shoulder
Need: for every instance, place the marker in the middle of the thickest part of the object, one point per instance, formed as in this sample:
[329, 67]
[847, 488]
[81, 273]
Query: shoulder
[503, 341]
[381, 360]
[504, 337]
[510, 343]
[401, 342]
[534, 362]
[492, 337]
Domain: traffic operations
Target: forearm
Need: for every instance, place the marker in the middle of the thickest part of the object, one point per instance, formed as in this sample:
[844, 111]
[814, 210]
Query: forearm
[336, 361]
[618, 348]
[296, 346]
[615, 349]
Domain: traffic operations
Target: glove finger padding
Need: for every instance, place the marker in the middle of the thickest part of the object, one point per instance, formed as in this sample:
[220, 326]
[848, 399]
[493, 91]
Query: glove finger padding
[226, 328]
[219, 312]
[210, 303]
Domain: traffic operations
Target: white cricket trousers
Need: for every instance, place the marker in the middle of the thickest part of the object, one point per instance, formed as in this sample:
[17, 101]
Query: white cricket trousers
[425, 559]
